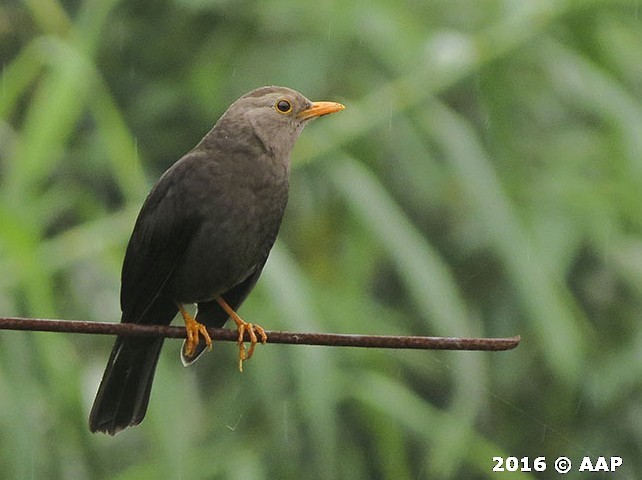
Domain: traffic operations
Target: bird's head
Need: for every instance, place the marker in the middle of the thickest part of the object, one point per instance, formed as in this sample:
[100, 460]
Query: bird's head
[276, 116]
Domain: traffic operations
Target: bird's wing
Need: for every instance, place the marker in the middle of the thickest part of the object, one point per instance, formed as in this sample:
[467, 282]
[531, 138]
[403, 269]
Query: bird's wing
[159, 241]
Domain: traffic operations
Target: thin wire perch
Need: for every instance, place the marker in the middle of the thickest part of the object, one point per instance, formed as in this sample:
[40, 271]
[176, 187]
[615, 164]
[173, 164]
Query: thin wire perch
[325, 339]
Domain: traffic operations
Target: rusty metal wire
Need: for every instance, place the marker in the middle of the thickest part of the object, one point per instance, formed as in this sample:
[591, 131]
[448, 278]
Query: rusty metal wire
[325, 339]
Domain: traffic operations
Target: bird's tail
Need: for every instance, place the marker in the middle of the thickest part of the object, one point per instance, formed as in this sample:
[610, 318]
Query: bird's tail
[123, 394]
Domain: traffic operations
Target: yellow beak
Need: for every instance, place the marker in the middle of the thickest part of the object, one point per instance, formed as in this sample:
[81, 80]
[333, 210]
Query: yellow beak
[318, 109]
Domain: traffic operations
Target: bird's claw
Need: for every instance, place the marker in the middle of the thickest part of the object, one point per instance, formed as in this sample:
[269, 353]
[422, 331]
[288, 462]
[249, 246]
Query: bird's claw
[194, 329]
[242, 327]
[252, 330]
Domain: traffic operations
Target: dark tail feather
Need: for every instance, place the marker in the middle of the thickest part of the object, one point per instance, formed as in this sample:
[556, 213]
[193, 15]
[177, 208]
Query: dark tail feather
[123, 394]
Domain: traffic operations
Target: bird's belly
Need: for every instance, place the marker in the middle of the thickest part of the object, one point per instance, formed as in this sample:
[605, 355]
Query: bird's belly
[225, 251]
[202, 278]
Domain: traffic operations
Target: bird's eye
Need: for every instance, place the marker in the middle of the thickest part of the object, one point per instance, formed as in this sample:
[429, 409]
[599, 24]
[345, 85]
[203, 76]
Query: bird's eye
[283, 106]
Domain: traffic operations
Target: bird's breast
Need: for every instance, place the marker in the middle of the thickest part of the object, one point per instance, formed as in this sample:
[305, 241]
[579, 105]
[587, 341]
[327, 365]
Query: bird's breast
[240, 213]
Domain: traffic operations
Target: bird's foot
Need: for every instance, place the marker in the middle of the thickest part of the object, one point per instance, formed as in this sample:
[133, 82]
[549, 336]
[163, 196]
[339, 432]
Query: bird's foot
[252, 329]
[194, 329]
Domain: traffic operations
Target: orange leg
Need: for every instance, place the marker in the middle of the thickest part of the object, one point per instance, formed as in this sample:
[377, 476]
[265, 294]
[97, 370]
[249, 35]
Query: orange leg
[242, 327]
[194, 329]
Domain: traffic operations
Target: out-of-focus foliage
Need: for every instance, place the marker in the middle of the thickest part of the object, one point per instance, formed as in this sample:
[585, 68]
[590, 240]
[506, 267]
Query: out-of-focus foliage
[485, 179]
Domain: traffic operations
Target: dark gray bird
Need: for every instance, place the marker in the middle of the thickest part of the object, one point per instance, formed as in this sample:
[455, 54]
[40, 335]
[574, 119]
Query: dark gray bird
[203, 236]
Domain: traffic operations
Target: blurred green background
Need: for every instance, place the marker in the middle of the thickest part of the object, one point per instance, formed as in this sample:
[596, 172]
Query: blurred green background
[484, 180]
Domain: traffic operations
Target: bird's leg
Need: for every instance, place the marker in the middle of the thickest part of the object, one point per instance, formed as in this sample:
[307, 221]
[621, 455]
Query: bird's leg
[243, 327]
[194, 329]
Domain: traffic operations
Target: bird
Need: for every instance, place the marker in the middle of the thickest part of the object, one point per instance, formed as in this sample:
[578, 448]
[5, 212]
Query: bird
[202, 236]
